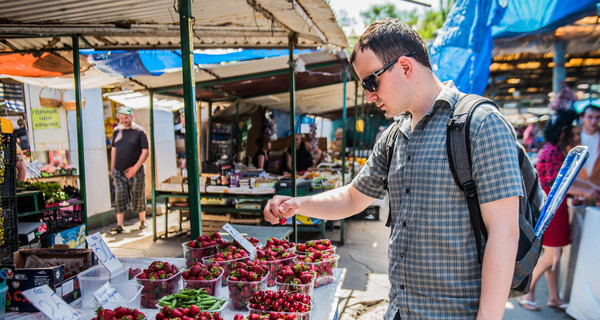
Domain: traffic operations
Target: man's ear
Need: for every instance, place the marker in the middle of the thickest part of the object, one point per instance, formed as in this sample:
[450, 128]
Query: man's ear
[407, 65]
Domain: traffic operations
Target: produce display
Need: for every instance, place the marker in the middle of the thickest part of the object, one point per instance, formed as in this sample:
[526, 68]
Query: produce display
[264, 302]
[227, 259]
[245, 279]
[223, 244]
[322, 263]
[192, 298]
[192, 312]
[203, 246]
[323, 245]
[133, 272]
[274, 258]
[120, 313]
[201, 276]
[271, 316]
[296, 278]
[159, 280]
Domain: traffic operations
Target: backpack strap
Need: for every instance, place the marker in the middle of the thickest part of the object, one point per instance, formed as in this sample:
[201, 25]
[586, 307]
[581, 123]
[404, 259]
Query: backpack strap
[458, 146]
[390, 143]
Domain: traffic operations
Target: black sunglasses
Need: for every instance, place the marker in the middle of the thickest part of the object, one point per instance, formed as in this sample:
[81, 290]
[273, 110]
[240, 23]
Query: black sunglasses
[369, 83]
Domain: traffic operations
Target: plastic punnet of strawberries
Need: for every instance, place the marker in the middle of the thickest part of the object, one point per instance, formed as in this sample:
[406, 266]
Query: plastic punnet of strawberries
[203, 246]
[323, 263]
[133, 272]
[160, 279]
[120, 313]
[245, 279]
[286, 244]
[323, 245]
[264, 302]
[271, 316]
[201, 276]
[224, 244]
[193, 312]
[296, 278]
[227, 259]
[274, 258]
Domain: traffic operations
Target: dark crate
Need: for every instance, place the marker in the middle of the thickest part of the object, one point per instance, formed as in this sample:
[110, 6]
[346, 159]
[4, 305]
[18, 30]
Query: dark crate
[58, 218]
[9, 243]
[9, 148]
[8, 185]
[8, 214]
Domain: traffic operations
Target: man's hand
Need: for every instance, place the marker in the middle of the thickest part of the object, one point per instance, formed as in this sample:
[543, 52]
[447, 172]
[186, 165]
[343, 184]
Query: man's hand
[130, 172]
[280, 207]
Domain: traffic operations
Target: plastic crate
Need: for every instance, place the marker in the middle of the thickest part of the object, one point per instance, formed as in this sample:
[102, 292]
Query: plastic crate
[9, 148]
[9, 243]
[8, 187]
[8, 214]
[57, 219]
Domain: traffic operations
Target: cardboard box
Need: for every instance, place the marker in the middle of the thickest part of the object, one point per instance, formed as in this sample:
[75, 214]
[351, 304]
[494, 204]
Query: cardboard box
[35, 267]
[74, 237]
[74, 260]
[27, 278]
[174, 184]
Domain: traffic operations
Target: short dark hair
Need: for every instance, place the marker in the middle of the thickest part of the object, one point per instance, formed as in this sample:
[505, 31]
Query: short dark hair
[590, 107]
[561, 122]
[389, 39]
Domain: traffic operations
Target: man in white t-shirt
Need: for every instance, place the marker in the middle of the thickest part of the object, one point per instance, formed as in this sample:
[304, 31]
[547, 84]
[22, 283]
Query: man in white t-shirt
[590, 137]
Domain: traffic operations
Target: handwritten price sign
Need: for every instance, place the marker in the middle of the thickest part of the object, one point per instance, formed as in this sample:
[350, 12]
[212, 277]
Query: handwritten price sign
[237, 236]
[50, 304]
[103, 252]
[106, 294]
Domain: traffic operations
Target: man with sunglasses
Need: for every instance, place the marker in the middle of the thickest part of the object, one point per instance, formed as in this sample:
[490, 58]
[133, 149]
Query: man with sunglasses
[433, 266]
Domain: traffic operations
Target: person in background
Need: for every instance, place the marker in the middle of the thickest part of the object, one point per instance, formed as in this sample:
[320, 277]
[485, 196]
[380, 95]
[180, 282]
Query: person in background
[21, 167]
[561, 135]
[261, 157]
[590, 137]
[128, 153]
[21, 135]
[304, 159]
[433, 262]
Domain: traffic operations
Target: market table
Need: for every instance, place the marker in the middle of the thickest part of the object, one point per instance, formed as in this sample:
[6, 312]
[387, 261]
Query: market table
[325, 299]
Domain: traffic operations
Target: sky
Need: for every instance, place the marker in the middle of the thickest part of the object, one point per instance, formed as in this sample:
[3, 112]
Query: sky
[354, 7]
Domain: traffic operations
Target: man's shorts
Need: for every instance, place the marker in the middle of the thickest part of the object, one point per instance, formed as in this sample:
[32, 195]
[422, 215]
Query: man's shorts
[130, 193]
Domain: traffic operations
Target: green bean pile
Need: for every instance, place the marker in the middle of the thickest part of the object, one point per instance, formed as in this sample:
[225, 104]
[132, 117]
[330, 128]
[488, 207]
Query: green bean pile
[188, 297]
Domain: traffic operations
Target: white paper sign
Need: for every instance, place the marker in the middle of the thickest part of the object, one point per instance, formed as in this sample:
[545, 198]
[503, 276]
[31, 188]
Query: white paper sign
[103, 252]
[241, 240]
[50, 304]
[107, 293]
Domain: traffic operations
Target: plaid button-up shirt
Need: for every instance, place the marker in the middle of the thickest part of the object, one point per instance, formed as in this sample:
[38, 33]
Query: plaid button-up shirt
[433, 266]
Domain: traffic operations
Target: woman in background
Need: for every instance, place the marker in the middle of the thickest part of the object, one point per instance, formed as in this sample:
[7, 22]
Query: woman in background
[261, 157]
[561, 135]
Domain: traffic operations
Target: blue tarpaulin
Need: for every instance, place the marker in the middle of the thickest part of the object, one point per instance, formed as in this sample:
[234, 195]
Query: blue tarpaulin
[462, 51]
[157, 62]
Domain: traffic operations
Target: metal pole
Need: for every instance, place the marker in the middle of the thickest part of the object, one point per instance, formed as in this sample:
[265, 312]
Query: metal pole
[559, 72]
[291, 44]
[189, 98]
[344, 128]
[80, 151]
[153, 166]
[355, 131]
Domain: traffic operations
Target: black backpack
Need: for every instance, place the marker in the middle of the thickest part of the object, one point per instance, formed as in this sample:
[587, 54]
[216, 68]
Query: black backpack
[458, 147]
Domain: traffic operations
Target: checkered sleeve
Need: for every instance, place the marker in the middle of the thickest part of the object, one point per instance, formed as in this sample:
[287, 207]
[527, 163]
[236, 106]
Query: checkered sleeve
[370, 179]
[494, 154]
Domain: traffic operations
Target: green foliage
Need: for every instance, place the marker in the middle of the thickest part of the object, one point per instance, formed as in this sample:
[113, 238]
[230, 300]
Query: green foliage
[426, 23]
[51, 190]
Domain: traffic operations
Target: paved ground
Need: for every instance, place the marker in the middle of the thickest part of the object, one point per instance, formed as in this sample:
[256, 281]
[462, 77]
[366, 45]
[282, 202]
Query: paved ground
[364, 255]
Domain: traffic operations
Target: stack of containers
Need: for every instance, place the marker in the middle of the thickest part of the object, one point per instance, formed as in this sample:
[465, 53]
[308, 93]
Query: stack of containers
[9, 238]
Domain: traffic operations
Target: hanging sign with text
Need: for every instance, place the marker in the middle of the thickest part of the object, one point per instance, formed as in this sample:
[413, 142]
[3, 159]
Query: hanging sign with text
[45, 118]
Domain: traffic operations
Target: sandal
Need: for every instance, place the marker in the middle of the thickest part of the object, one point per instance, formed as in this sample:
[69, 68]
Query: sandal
[529, 305]
[117, 229]
[562, 307]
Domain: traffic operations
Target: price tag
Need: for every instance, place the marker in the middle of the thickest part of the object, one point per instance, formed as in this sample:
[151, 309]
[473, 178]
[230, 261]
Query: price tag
[103, 252]
[107, 293]
[50, 304]
[240, 239]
